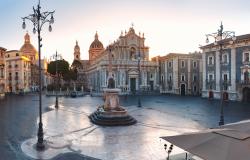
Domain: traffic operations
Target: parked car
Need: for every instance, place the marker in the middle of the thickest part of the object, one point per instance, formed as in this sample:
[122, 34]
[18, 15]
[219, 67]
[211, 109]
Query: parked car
[73, 94]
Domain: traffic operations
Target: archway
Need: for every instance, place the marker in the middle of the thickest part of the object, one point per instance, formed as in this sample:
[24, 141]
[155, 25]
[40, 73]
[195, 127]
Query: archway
[183, 89]
[210, 94]
[133, 85]
[246, 95]
[225, 96]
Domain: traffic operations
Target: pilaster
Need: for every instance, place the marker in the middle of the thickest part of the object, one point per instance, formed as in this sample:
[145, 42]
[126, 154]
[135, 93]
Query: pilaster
[204, 73]
[233, 70]
[217, 69]
[175, 73]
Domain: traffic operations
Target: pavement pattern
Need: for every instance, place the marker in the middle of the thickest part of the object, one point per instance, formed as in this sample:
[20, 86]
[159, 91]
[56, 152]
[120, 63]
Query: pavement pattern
[69, 132]
[68, 129]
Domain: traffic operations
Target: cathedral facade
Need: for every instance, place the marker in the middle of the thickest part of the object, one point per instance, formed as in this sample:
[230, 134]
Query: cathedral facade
[131, 68]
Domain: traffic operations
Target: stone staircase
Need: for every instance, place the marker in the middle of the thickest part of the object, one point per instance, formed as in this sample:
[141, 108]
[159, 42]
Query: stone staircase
[99, 119]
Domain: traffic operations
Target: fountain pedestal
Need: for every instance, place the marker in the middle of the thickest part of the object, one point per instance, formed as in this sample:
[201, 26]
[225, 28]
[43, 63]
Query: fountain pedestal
[111, 113]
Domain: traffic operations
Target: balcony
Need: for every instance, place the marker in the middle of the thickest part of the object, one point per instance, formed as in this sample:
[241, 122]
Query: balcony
[209, 81]
[245, 82]
[169, 82]
[226, 82]
[128, 62]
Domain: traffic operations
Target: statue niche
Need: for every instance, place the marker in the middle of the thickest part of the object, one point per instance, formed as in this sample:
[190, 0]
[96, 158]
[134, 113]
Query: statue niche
[111, 82]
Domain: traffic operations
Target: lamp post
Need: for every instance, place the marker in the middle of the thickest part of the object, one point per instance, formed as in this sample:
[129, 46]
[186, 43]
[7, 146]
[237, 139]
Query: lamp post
[168, 150]
[139, 78]
[219, 39]
[57, 57]
[38, 19]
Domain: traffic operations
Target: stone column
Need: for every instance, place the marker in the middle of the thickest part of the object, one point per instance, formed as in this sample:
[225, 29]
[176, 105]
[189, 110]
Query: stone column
[165, 74]
[233, 70]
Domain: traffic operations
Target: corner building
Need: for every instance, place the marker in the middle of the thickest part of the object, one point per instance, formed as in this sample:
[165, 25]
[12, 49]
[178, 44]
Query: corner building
[228, 70]
[180, 74]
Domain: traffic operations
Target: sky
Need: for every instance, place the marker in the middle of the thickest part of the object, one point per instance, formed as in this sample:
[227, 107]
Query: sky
[177, 26]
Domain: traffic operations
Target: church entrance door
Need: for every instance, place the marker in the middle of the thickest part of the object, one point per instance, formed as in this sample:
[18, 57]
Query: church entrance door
[132, 85]
[246, 95]
[151, 85]
[183, 89]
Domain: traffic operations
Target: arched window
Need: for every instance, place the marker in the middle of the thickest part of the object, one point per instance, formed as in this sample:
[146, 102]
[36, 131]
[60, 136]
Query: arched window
[210, 60]
[195, 89]
[182, 64]
[225, 58]
[194, 78]
[169, 64]
[182, 77]
[162, 78]
[246, 57]
[194, 64]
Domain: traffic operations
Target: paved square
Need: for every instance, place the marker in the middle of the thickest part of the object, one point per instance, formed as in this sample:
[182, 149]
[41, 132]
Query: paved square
[69, 130]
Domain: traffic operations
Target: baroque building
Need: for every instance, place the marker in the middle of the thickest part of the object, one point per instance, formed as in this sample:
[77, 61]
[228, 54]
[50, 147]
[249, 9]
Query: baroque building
[180, 73]
[227, 70]
[30, 52]
[2, 71]
[18, 72]
[80, 66]
[126, 54]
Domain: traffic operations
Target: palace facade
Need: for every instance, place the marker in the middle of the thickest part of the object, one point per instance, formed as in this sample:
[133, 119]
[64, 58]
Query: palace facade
[2, 72]
[18, 72]
[227, 70]
[180, 73]
[30, 52]
[19, 69]
[130, 58]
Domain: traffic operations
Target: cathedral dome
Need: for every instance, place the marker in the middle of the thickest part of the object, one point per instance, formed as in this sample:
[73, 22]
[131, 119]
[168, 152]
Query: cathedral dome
[96, 43]
[27, 47]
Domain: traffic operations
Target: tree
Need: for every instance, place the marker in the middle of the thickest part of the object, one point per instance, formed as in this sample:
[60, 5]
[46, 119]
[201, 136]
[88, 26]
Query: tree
[71, 75]
[62, 67]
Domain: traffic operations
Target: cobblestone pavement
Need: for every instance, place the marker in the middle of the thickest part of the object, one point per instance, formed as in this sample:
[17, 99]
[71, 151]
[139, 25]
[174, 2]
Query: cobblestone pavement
[69, 130]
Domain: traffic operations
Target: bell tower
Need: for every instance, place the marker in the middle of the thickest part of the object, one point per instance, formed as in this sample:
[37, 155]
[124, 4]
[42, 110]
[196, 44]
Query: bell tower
[77, 52]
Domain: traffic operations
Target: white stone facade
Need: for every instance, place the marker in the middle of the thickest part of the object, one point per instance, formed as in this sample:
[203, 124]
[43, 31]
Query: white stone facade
[18, 72]
[125, 61]
[2, 72]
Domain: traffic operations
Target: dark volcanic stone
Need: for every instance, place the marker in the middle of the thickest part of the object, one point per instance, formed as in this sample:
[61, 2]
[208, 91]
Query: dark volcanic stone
[98, 118]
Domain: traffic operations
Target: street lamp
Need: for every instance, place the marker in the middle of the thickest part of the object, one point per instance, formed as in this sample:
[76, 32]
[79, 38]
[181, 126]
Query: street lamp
[139, 77]
[168, 150]
[219, 38]
[57, 57]
[38, 19]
